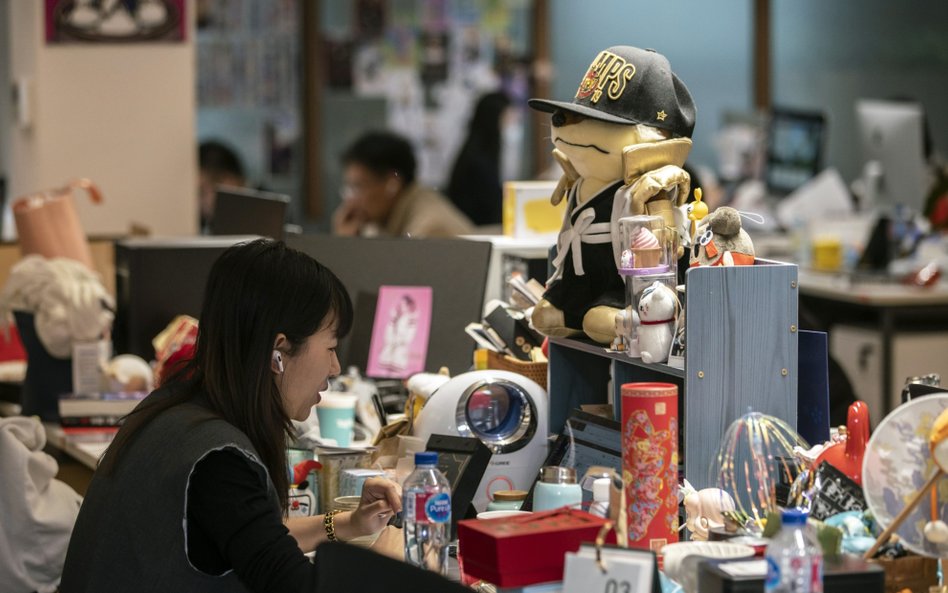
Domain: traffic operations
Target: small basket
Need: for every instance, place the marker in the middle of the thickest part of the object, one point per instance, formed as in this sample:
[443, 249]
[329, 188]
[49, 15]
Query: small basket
[535, 371]
[916, 573]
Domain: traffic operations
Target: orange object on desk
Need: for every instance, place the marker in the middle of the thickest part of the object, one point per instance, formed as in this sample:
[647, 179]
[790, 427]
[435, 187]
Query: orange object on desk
[847, 456]
[47, 223]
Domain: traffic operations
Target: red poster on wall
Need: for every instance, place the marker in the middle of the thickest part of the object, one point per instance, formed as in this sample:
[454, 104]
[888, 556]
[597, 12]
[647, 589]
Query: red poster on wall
[119, 21]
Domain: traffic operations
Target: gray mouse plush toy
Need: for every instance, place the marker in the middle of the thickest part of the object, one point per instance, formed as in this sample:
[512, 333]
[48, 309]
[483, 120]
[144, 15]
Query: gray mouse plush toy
[721, 241]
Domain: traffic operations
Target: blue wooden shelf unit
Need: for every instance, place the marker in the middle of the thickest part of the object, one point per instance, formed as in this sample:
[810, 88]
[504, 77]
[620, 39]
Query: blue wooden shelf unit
[741, 354]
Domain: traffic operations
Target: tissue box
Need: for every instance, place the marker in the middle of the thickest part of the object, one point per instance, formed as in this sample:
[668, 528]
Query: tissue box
[352, 480]
[525, 549]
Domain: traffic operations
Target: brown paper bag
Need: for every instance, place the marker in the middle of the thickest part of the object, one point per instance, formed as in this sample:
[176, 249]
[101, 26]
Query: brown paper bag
[47, 223]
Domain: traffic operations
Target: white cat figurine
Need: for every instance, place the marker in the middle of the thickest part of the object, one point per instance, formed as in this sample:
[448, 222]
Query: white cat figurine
[657, 308]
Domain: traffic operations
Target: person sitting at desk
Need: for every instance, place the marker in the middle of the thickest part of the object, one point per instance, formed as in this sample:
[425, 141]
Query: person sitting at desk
[192, 493]
[382, 197]
[475, 184]
[218, 164]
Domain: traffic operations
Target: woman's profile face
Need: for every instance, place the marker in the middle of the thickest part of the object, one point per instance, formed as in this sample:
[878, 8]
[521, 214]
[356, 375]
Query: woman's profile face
[307, 373]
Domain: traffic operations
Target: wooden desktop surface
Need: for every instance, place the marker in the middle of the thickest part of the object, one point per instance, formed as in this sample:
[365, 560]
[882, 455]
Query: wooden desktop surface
[86, 453]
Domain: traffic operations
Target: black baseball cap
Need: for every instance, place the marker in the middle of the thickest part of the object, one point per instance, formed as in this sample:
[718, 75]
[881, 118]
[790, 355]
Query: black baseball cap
[628, 85]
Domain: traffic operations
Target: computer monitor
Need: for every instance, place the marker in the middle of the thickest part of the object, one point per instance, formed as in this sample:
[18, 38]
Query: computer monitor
[242, 211]
[587, 441]
[157, 280]
[892, 135]
[455, 269]
[794, 149]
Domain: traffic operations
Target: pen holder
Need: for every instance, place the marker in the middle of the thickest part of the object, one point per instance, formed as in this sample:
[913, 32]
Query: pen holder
[334, 462]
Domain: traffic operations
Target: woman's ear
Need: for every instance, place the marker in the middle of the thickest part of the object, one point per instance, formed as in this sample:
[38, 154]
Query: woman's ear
[281, 346]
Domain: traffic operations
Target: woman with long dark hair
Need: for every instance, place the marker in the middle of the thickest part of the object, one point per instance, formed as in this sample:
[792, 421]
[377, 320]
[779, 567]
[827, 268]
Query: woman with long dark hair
[192, 493]
[475, 183]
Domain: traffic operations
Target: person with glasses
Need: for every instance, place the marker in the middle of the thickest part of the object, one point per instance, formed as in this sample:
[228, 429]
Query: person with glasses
[382, 197]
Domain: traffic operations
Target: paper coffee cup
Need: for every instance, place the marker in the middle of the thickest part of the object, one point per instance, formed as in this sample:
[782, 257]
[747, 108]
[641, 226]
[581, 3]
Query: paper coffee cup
[336, 413]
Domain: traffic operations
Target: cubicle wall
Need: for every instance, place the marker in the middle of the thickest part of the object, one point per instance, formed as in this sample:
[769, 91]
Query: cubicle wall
[455, 269]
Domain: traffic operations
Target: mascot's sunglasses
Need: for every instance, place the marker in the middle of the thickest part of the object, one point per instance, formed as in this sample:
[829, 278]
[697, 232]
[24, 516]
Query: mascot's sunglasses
[561, 118]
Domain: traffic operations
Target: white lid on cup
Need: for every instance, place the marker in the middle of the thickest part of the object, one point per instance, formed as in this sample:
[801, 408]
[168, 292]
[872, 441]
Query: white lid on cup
[337, 399]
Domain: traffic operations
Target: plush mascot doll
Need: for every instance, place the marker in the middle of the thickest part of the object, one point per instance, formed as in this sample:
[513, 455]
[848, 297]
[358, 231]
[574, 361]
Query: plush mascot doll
[622, 142]
[722, 241]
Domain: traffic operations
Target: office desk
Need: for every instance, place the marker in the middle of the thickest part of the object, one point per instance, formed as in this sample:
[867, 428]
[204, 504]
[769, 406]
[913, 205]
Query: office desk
[887, 308]
[77, 457]
[85, 449]
[87, 452]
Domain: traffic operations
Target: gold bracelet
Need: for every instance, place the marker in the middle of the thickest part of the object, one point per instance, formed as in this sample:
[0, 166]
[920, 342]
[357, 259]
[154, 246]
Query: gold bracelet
[330, 525]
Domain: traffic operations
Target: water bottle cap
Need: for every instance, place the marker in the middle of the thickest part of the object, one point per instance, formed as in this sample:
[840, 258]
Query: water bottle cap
[426, 458]
[793, 516]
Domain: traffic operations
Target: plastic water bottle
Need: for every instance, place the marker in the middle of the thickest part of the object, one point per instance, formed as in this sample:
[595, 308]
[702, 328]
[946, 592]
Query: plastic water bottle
[426, 510]
[794, 559]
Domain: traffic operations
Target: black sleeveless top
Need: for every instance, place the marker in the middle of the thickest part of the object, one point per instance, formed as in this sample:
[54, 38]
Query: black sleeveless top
[132, 531]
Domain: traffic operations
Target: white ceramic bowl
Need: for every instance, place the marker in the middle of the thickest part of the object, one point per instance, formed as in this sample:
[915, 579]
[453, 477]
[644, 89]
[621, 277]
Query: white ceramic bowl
[675, 554]
[346, 503]
[500, 514]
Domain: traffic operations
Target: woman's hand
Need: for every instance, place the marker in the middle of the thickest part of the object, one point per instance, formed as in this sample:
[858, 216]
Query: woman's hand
[381, 498]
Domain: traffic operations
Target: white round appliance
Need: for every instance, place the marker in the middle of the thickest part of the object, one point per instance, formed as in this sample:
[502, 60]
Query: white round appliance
[508, 412]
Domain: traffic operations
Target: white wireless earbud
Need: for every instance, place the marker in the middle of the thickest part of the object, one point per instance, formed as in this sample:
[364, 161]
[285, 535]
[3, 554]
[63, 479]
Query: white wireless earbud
[278, 360]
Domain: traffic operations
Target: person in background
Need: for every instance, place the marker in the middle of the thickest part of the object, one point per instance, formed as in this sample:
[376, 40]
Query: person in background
[218, 165]
[192, 495]
[935, 207]
[381, 195]
[475, 185]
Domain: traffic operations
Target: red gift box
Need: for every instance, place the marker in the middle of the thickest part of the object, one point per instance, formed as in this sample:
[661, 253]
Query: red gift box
[525, 549]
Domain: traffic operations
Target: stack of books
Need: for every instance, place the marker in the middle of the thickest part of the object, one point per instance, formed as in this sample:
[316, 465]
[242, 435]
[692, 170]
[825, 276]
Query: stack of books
[97, 410]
